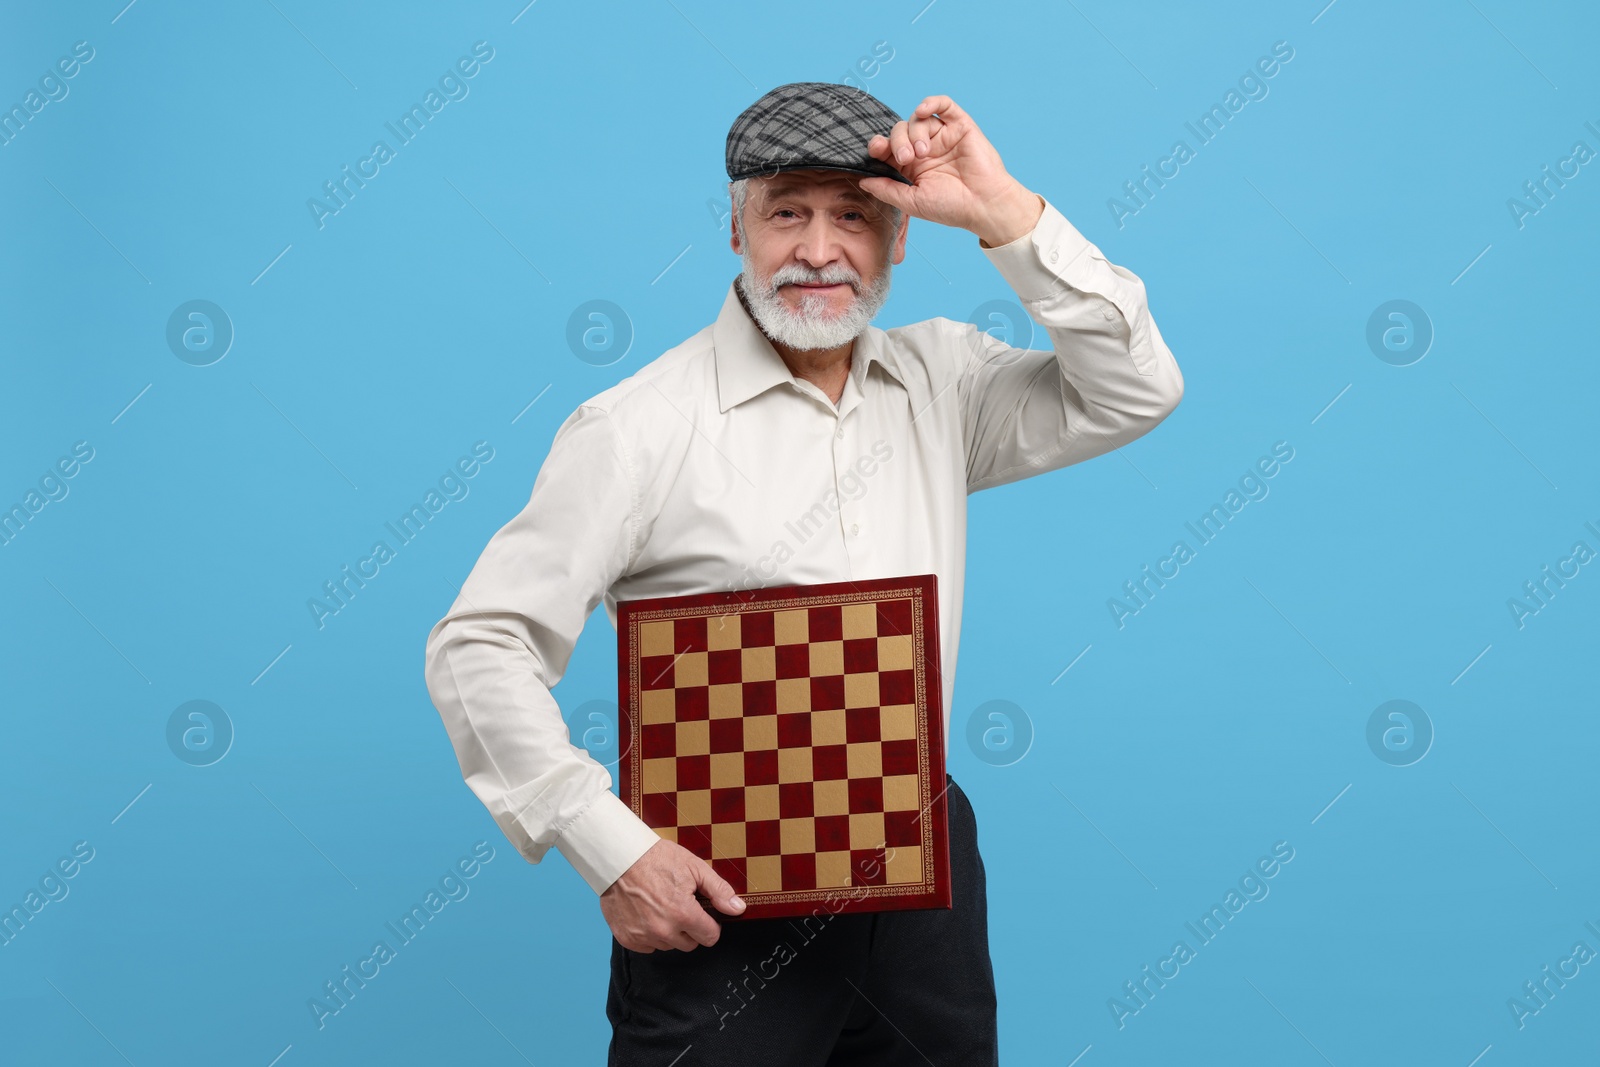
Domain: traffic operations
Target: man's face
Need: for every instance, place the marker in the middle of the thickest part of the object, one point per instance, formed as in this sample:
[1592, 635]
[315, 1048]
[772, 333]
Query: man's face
[817, 253]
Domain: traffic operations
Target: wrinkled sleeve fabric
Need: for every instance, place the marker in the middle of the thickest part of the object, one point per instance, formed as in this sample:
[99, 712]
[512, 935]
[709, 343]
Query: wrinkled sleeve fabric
[492, 660]
[1109, 379]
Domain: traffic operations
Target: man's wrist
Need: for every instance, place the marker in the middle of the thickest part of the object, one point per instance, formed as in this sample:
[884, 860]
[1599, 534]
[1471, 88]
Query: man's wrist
[1015, 217]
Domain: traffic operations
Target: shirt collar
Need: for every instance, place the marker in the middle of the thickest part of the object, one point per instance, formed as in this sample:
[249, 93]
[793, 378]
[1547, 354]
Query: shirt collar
[747, 364]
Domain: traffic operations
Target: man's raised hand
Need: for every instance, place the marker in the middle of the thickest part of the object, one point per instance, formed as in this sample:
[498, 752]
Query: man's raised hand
[956, 175]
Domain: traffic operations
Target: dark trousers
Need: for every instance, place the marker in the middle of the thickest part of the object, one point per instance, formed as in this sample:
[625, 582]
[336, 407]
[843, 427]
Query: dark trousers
[887, 988]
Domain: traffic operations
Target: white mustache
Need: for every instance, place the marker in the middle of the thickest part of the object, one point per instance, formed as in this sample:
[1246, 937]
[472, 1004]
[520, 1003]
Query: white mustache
[781, 279]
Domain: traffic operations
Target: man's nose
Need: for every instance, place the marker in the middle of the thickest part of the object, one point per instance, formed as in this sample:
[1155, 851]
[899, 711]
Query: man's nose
[819, 243]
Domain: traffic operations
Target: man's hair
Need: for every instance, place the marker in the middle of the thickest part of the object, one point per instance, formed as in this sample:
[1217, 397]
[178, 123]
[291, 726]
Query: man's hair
[741, 189]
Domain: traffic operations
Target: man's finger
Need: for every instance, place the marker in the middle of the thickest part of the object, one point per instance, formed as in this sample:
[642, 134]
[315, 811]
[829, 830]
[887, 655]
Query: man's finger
[670, 944]
[941, 105]
[698, 928]
[900, 149]
[925, 124]
[880, 148]
[891, 192]
[716, 888]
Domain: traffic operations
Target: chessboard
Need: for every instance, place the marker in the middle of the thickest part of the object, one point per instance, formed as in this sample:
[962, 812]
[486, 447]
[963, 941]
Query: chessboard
[792, 737]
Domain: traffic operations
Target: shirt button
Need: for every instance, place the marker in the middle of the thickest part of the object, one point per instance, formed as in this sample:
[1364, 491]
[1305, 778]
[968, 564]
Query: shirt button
[839, 432]
[1053, 256]
[855, 527]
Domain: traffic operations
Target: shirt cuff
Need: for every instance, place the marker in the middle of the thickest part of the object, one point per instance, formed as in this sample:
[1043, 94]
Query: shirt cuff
[1054, 258]
[605, 840]
[1037, 263]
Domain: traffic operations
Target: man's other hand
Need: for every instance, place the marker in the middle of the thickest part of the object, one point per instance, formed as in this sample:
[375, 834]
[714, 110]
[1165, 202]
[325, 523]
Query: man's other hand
[654, 904]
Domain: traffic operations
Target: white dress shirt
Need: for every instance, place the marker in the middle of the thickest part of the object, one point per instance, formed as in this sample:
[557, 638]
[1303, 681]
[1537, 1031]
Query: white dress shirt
[713, 467]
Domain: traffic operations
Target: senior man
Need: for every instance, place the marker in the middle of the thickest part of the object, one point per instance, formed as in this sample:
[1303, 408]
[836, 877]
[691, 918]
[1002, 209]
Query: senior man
[791, 442]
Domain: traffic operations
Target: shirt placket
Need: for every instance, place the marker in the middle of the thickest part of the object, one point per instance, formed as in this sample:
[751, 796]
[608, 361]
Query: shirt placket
[853, 525]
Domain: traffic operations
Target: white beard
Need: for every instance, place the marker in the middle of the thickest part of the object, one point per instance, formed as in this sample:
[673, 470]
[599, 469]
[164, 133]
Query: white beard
[813, 326]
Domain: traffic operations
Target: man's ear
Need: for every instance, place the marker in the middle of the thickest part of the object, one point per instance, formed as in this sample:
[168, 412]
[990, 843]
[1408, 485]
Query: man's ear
[897, 251]
[734, 236]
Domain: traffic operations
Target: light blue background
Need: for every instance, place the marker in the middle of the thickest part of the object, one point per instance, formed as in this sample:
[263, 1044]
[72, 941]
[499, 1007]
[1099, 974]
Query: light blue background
[587, 158]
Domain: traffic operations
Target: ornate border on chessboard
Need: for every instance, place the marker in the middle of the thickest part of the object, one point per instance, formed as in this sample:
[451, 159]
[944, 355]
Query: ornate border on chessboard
[921, 591]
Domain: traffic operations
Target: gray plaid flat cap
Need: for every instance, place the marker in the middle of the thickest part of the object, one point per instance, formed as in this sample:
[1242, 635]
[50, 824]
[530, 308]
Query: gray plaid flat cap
[810, 124]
